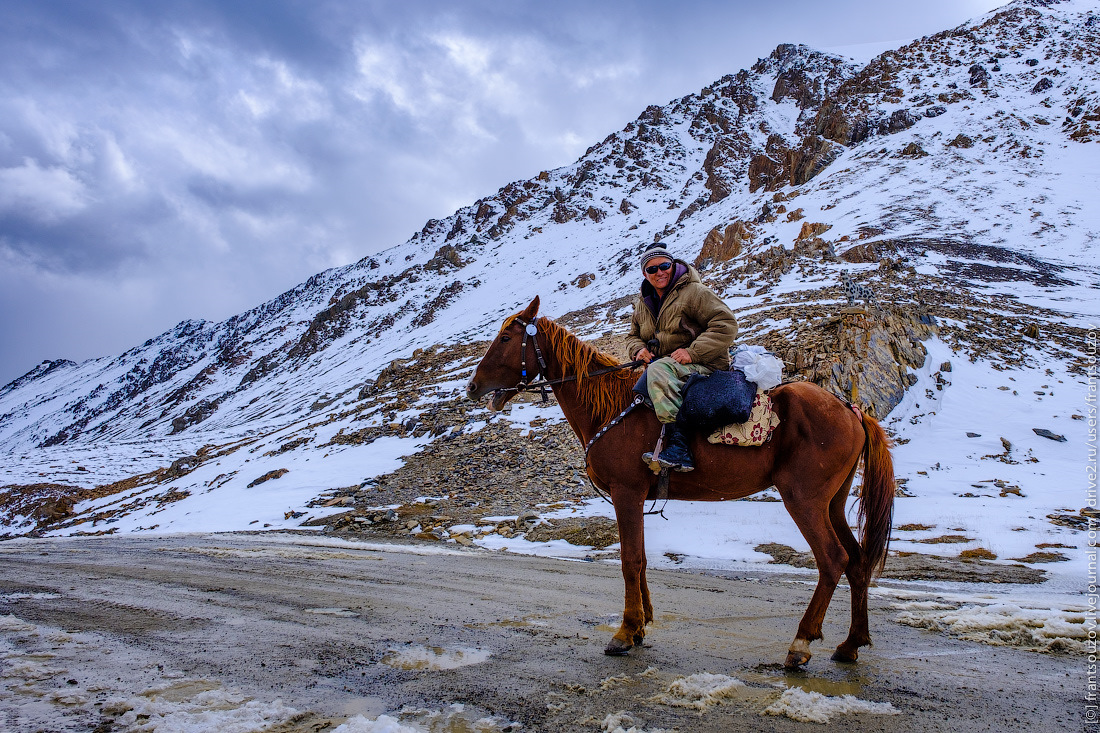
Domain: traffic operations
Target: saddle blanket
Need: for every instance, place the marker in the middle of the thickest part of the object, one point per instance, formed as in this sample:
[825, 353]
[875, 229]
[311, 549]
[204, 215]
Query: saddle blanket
[756, 431]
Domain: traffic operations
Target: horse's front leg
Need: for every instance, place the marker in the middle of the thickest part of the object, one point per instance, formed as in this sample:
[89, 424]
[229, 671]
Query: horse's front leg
[637, 611]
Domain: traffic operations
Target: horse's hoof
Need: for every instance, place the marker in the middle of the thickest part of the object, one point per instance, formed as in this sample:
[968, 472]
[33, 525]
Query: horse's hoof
[845, 655]
[796, 660]
[638, 638]
[616, 648]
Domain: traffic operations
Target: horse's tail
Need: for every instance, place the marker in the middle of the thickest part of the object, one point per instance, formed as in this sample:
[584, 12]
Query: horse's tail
[876, 501]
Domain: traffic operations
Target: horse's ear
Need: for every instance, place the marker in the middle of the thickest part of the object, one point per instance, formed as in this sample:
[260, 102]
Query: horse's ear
[531, 311]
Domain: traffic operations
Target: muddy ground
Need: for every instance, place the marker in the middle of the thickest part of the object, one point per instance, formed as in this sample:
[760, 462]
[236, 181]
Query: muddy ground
[335, 631]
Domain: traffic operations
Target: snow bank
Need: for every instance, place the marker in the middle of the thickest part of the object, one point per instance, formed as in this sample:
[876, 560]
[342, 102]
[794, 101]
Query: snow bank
[699, 691]
[1004, 624]
[813, 707]
[382, 724]
[159, 710]
[454, 717]
[618, 722]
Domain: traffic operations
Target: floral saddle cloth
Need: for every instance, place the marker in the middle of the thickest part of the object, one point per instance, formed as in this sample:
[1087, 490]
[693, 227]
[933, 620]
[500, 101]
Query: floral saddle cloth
[757, 430]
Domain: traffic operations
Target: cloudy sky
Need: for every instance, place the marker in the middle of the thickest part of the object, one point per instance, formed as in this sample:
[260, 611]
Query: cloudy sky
[162, 161]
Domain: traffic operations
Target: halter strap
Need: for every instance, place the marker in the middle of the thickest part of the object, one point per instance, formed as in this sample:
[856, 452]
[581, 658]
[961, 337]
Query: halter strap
[531, 329]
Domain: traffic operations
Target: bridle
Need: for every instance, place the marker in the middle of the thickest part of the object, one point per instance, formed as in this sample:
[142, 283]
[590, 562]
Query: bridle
[538, 382]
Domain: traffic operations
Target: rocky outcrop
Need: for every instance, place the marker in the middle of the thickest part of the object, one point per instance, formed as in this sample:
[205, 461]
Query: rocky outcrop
[874, 356]
[812, 229]
[723, 245]
[724, 165]
[765, 173]
[863, 356]
[813, 157]
[780, 165]
[194, 415]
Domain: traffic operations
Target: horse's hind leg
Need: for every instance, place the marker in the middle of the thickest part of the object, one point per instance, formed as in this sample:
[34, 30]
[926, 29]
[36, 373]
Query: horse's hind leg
[810, 512]
[859, 633]
[636, 611]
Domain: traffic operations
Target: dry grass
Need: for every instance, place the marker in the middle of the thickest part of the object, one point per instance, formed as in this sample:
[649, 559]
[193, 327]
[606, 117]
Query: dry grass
[1039, 557]
[947, 539]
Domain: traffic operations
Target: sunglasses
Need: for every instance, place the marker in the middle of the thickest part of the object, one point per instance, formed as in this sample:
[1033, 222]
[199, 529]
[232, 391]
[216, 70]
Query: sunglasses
[652, 269]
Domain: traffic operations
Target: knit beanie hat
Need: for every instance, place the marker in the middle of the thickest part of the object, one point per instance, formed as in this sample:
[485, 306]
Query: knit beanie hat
[657, 249]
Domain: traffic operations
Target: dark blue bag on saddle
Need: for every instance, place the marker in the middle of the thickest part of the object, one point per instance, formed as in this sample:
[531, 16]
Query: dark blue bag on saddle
[723, 398]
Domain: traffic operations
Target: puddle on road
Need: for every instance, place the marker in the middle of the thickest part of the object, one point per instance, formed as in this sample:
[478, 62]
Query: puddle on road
[9, 597]
[530, 621]
[852, 685]
[832, 688]
[433, 658]
[345, 612]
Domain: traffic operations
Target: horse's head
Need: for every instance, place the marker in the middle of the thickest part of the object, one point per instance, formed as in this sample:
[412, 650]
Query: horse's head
[500, 369]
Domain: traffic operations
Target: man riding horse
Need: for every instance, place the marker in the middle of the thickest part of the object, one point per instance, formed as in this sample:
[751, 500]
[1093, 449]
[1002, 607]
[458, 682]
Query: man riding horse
[680, 327]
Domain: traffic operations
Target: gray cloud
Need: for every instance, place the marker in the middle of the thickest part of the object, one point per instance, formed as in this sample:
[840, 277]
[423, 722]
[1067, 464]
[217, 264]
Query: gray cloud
[162, 161]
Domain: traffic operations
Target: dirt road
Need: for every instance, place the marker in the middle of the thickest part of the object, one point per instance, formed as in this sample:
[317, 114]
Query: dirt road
[110, 633]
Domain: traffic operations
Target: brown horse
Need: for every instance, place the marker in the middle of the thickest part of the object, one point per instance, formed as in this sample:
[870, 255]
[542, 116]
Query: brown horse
[811, 459]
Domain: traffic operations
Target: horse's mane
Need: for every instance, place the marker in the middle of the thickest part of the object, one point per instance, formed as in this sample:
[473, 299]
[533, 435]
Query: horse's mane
[604, 395]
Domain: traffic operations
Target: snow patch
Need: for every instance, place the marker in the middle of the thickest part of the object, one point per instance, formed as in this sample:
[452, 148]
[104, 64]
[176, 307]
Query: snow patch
[699, 691]
[1004, 624]
[185, 707]
[619, 722]
[454, 717]
[416, 657]
[813, 707]
[381, 724]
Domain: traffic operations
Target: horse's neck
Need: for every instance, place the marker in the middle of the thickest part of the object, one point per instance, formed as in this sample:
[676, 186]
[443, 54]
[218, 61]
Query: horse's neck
[581, 417]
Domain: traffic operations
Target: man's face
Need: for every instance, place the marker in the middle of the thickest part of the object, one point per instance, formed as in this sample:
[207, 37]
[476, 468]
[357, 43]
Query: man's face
[660, 278]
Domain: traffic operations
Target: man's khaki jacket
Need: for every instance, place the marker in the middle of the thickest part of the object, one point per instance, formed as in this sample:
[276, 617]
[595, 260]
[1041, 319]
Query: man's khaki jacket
[691, 317]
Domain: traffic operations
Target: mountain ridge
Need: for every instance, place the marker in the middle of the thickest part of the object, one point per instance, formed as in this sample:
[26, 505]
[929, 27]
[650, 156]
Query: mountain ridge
[941, 174]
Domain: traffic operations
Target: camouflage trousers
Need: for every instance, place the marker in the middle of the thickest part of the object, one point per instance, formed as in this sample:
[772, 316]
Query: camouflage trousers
[665, 379]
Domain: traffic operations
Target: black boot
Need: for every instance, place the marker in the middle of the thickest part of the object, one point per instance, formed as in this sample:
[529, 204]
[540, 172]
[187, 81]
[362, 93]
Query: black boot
[676, 454]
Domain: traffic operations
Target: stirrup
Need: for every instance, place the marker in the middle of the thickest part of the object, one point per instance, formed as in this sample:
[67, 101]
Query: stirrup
[680, 467]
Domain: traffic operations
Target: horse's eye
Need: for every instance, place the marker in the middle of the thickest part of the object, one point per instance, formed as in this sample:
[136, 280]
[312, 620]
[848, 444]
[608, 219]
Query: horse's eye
[505, 337]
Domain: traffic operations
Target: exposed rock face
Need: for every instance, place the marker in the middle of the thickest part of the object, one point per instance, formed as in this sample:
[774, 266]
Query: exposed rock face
[53, 510]
[724, 165]
[815, 154]
[812, 229]
[1042, 85]
[194, 415]
[583, 280]
[722, 246]
[875, 354]
[278, 473]
[765, 173]
[866, 252]
[979, 77]
[796, 85]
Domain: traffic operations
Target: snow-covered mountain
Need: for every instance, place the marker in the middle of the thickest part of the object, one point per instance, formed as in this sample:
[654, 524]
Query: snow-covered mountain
[956, 176]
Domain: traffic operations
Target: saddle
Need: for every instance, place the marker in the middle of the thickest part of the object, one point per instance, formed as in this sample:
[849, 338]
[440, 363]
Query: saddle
[725, 406]
[710, 402]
